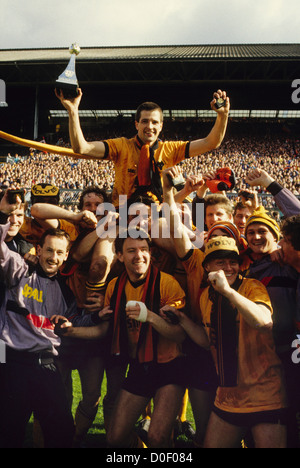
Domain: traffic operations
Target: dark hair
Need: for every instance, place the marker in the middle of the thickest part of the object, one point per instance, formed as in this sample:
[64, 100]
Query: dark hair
[240, 206]
[144, 199]
[24, 205]
[92, 189]
[148, 106]
[221, 254]
[55, 232]
[120, 239]
[291, 229]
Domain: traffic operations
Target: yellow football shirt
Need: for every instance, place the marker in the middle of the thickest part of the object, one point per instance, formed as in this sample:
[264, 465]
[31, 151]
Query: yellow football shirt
[260, 384]
[125, 155]
[170, 294]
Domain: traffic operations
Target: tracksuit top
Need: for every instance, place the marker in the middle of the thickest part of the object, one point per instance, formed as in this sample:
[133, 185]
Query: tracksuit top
[282, 282]
[29, 300]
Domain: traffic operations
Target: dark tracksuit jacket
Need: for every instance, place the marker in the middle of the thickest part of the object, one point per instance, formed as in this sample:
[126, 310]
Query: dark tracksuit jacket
[282, 282]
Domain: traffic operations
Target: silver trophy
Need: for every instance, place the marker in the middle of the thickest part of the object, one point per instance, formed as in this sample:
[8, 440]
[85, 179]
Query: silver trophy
[67, 82]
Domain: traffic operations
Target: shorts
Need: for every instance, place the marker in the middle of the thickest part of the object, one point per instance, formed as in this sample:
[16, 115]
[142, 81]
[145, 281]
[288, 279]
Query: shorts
[249, 420]
[200, 371]
[146, 378]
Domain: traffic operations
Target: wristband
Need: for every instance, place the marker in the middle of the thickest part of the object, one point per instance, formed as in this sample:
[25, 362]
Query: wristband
[143, 310]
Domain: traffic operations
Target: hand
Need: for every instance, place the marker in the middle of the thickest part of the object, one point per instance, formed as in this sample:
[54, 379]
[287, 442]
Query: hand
[69, 104]
[133, 312]
[202, 189]
[218, 281]
[6, 207]
[106, 313]
[222, 110]
[259, 177]
[61, 324]
[31, 259]
[193, 183]
[87, 219]
[171, 172]
[253, 202]
[210, 175]
[277, 257]
[94, 302]
[170, 314]
[198, 238]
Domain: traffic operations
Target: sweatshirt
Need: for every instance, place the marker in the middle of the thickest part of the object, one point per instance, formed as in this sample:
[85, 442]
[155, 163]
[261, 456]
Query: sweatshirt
[30, 299]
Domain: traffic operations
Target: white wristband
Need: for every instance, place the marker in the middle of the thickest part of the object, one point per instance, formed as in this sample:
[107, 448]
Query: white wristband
[143, 310]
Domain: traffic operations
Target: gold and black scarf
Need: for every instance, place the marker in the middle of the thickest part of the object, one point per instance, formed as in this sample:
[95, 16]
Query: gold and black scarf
[147, 342]
[148, 173]
[224, 329]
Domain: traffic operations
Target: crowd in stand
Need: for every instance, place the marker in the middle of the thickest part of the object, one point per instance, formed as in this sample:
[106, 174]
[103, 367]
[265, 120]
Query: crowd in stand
[277, 153]
[210, 314]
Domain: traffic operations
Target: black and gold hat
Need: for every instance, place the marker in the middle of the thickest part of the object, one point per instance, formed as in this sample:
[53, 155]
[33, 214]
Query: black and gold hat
[44, 193]
[220, 247]
[261, 216]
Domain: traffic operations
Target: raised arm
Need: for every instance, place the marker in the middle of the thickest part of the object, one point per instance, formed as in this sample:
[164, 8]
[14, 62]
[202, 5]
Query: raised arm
[178, 233]
[286, 201]
[93, 149]
[192, 184]
[214, 139]
[12, 266]
[48, 215]
[256, 315]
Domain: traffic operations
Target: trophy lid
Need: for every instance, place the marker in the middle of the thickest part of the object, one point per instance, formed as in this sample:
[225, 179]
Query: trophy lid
[74, 49]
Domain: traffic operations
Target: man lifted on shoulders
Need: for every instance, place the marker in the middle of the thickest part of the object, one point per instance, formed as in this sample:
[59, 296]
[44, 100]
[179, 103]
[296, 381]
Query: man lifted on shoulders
[139, 161]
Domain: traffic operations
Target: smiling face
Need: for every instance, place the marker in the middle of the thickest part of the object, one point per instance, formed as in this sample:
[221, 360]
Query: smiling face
[260, 239]
[215, 213]
[290, 255]
[240, 218]
[52, 254]
[16, 220]
[229, 265]
[136, 258]
[91, 201]
[149, 126]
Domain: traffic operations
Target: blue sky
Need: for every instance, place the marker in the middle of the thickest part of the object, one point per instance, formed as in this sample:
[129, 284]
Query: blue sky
[59, 23]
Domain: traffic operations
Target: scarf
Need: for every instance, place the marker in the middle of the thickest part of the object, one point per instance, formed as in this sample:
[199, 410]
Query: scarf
[225, 335]
[148, 174]
[147, 342]
[42, 146]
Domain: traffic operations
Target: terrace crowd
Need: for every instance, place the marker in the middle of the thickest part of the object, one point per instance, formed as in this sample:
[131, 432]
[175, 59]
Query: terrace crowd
[208, 313]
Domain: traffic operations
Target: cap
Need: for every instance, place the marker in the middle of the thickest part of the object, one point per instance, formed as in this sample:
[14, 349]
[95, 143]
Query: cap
[231, 230]
[44, 193]
[220, 247]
